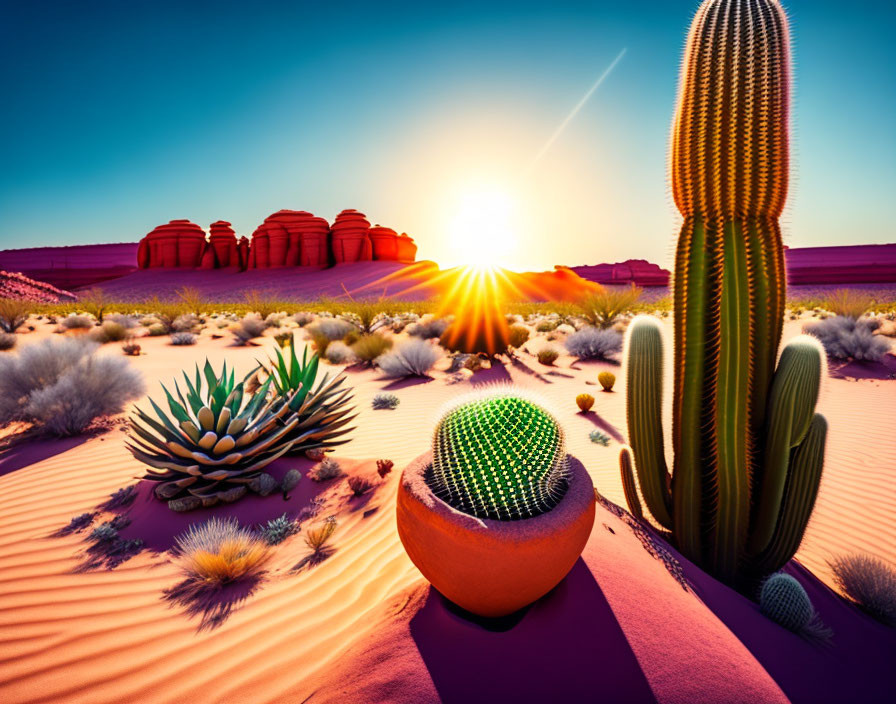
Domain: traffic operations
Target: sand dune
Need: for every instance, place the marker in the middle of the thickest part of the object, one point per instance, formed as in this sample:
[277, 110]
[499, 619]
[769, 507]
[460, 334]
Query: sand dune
[363, 626]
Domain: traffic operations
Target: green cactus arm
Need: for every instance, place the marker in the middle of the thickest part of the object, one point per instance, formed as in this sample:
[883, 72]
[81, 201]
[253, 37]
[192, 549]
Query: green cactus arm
[800, 492]
[628, 482]
[791, 407]
[644, 395]
[691, 315]
[731, 449]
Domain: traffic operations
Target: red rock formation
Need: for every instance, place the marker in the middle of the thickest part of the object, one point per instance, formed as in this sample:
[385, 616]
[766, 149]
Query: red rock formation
[290, 238]
[633, 271]
[350, 238]
[222, 241]
[405, 248]
[385, 243]
[180, 243]
[242, 252]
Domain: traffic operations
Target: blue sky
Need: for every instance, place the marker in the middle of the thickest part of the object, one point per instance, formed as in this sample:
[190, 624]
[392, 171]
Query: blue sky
[120, 116]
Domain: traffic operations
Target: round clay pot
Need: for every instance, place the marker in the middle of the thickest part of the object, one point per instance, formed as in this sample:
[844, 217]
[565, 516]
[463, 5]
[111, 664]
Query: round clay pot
[492, 568]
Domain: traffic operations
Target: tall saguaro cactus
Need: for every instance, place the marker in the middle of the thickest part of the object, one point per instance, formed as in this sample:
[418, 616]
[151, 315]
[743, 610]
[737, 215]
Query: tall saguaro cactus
[723, 501]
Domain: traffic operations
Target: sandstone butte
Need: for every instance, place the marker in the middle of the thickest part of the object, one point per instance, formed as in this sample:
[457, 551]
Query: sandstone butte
[287, 238]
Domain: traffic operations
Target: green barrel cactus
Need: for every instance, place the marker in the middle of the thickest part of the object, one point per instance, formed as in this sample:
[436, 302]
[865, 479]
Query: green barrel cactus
[748, 446]
[783, 600]
[499, 455]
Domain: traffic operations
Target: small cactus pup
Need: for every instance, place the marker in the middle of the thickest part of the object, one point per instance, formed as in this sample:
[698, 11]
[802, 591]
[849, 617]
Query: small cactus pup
[748, 445]
[584, 402]
[497, 495]
[606, 380]
[784, 600]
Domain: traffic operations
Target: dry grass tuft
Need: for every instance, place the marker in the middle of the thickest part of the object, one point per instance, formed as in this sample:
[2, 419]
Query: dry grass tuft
[869, 583]
[219, 552]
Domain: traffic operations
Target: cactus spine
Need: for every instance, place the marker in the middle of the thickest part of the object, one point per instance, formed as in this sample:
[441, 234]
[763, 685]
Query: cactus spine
[732, 500]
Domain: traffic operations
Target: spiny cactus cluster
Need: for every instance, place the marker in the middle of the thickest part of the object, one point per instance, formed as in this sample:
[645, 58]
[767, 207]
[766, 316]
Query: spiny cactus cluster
[784, 601]
[500, 456]
[748, 445]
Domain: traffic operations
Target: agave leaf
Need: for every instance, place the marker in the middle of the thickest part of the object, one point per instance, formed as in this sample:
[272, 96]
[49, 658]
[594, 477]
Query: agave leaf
[223, 420]
[225, 444]
[177, 410]
[235, 426]
[208, 440]
[210, 377]
[189, 427]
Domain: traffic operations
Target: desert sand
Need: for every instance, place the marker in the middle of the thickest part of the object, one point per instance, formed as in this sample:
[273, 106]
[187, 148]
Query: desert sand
[633, 621]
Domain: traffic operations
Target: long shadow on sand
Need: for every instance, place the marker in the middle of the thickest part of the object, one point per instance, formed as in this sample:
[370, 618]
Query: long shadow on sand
[604, 426]
[552, 654]
[21, 451]
[497, 374]
[212, 604]
[855, 666]
[884, 370]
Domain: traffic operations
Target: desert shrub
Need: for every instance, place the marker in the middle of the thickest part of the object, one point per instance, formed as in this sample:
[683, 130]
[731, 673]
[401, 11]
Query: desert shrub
[847, 338]
[192, 300]
[518, 335]
[548, 355]
[326, 470]
[275, 320]
[249, 328]
[62, 385]
[331, 328]
[185, 323]
[157, 330]
[359, 485]
[261, 304]
[848, 303]
[303, 318]
[279, 529]
[284, 338]
[109, 331]
[604, 306]
[383, 467]
[13, 313]
[94, 302]
[428, 328]
[565, 329]
[338, 353]
[411, 358]
[351, 337]
[606, 380]
[220, 552]
[131, 348]
[594, 343]
[7, 341]
[183, 338]
[869, 583]
[318, 537]
[76, 322]
[584, 402]
[371, 346]
[546, 325]
[599, 438]
[385, 401]
[129, 322]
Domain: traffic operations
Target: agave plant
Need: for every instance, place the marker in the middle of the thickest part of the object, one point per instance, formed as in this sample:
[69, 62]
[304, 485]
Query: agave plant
[219, 437]
[323, 411]
[217, 443]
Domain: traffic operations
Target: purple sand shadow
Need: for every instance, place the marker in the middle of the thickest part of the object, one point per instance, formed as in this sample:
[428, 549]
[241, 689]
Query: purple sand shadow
[549, 655]
[497, 374]
[158, 526]
[882, 371]
[855, 666]
[407, 382]
[526, 369]
[605, 426]
[22, 452]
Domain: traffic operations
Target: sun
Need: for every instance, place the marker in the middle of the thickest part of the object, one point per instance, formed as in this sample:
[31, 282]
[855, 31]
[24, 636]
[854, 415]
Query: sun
[484, 229]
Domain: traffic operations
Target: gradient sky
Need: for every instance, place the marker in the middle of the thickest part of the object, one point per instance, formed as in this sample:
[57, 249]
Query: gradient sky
[120, 116]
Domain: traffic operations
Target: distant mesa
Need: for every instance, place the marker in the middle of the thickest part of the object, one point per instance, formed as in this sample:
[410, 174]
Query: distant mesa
[287, 238]
[851, 264]
[639, 272]
[75, 266]
[20, 287]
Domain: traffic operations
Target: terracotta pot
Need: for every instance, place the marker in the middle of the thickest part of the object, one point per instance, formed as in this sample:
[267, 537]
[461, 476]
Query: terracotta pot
[492, 568]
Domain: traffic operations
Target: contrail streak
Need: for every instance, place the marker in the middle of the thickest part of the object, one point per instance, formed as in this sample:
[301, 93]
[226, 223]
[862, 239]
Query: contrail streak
[575, 110]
